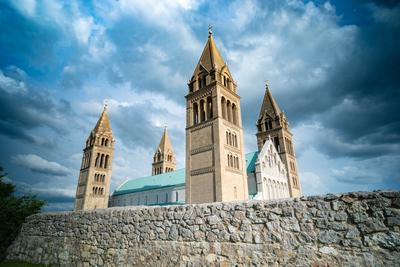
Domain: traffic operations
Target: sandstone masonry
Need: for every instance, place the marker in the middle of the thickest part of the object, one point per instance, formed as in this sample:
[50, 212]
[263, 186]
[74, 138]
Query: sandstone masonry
[352, 229]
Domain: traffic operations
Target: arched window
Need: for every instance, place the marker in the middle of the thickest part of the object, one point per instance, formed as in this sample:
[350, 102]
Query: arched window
[270, 124]
[277, 146]
[156, 199]
[195, 113]
[202, 111]
[229, 110]
[228, 160]
[101, 161]
[93, 189]
[106, 162]
[97, 160]
[227, 138]
[106, 143]
[223, 107]
[176, 196]
[102, 141]
[166, 197]
[234, 114]
[209, 108]
[230, 139]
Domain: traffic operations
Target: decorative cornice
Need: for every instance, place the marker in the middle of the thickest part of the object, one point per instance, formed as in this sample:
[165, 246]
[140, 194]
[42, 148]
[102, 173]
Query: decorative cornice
[201, 149]
[201, 125]
[202, 171]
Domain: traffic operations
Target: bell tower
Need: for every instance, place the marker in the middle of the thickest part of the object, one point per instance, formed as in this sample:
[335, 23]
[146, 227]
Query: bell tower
[215, 162]
[273, 122]
[94, 178]
[164, 157]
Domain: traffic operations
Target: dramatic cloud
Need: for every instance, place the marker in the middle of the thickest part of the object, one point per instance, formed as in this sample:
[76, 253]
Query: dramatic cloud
[40, 165]
[334, 69]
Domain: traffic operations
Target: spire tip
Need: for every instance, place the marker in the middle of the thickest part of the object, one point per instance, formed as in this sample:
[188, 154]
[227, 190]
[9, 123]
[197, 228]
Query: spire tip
[209, 29]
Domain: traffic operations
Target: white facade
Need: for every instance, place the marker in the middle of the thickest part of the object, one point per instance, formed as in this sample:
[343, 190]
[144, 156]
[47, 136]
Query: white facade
[159, 196]
[271, 175]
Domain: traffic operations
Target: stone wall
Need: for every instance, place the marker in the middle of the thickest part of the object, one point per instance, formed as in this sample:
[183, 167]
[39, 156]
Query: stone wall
[354, 229]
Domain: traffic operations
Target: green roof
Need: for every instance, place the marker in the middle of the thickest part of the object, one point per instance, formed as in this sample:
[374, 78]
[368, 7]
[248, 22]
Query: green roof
[251, 161]
[169, 179]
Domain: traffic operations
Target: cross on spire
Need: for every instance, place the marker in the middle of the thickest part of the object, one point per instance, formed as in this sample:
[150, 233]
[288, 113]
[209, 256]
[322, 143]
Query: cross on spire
[209, 29]
[266, 84]
[105, 104]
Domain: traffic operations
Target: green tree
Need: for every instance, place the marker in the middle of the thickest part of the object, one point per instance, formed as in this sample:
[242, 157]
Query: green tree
[13, 211]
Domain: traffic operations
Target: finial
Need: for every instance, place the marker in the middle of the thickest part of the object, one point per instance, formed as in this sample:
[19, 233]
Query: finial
[209, 29]
[165, 126]
[266, 84]
[105, 104]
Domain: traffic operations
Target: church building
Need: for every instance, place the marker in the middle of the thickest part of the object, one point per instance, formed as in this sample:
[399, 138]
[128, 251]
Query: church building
[93, 187]
[217, 169]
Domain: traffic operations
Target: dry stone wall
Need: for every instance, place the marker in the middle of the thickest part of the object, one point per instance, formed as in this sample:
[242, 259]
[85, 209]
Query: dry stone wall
[353, 229]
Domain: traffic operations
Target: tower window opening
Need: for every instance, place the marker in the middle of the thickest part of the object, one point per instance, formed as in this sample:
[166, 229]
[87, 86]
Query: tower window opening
[277, 145]
[223, 108]
[209, 108]
[234, 114]
[195, 113]
[202, 111]
[229, 110]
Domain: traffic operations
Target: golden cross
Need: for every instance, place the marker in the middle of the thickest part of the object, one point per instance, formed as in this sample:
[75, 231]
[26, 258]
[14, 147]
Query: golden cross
[209, 29]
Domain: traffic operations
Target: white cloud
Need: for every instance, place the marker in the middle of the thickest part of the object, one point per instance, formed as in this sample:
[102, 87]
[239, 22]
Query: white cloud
[82, 28]
[40, 165]
[11, 85]
[312, 184]
[26, 7]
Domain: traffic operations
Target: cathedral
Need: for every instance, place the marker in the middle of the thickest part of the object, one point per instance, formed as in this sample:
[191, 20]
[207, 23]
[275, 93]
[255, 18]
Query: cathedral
[217, 168]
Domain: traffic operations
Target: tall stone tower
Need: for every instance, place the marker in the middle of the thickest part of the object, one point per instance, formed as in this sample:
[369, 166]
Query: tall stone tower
[273, 122]
[164, 157]
[95, 174]
[215, 162]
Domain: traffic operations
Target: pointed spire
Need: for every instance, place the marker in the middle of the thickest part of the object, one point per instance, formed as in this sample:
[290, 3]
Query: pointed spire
[210, 57]
[269, 102]
[165, 142]
[103, 124]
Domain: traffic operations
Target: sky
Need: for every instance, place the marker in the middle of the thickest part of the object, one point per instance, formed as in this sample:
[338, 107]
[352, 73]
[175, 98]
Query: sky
[333, 67]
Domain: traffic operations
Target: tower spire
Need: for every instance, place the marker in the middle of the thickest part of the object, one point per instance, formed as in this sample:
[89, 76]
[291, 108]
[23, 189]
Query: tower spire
[96, 168]
[164, 157]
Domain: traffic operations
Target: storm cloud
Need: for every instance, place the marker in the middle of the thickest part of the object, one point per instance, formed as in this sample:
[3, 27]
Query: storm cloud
[334, 69]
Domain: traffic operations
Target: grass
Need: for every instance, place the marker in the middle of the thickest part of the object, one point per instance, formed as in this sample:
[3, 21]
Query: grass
[19, 264]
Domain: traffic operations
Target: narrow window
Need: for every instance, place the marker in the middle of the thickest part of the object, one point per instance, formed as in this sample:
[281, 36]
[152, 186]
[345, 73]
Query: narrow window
[202, 111]
[176, 196]
[223, 108]
[106, 162]
[209, 108]
[195, 113]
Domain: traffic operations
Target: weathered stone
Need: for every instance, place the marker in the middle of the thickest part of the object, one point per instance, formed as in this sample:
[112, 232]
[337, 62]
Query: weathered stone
[341, 216]
[274, 233]
[328, 250]
[213, 219]
[328, 237]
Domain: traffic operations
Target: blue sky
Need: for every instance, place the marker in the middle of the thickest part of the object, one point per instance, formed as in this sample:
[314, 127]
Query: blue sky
[333, 66]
